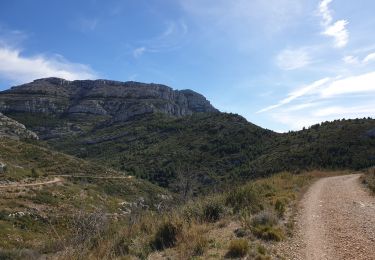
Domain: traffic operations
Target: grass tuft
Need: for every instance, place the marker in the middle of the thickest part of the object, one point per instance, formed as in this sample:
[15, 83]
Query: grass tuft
[238, 248]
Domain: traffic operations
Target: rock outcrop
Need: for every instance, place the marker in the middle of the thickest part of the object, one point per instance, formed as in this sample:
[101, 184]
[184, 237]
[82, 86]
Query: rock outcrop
[12, 129]
[119, 101]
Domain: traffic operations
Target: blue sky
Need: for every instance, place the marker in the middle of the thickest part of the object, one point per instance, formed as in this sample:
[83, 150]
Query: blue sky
[282, 64]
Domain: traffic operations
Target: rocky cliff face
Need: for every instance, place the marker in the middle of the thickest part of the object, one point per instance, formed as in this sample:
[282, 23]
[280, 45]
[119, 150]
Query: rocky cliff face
[119, 101]
[12, 129]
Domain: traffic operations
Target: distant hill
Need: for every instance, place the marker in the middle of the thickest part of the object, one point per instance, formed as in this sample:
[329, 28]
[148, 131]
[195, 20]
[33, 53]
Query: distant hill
[111, 100]
[176, 138]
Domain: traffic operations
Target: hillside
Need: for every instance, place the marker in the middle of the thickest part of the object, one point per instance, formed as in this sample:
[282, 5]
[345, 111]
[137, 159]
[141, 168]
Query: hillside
[12, 129]
[110, 100]
[86, 189]
[45, 196]
[176, 139]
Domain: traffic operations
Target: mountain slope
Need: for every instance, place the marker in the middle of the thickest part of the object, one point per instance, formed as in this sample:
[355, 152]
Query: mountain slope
[176, 138]
[117, 101]
[44, 193]
[13, 129]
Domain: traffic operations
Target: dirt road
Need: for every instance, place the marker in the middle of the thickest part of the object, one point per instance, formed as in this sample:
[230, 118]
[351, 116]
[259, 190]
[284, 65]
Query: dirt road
[336, 221]
[60, 178]
[20, 185]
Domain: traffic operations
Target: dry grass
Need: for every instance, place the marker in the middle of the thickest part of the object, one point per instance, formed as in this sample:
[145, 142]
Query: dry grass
[202, 228]
[238, 248]
[369, 179]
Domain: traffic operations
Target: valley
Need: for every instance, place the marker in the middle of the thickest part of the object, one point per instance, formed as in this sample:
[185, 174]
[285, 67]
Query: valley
[111, 170]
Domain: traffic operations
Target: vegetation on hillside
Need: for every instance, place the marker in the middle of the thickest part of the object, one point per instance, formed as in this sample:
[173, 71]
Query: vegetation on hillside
[201, 151]
[44, 218]
[190, 230]
[369, 179]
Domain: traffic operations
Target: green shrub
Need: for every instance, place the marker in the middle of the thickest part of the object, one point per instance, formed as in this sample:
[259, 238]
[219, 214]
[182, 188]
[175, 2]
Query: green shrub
[213, 210]
[209, 210]
[280, 208]
[369, 180]
[264, 226]
[238, 248]
[267, 232]
[247, 197]
[34, 173]
[44, 197]
[167, 234]
[264, 218]
[261, 249]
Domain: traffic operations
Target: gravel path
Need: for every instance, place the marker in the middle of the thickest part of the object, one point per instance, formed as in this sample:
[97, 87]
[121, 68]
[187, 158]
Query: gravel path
[20, 185]
[60, 179]
[336, 221]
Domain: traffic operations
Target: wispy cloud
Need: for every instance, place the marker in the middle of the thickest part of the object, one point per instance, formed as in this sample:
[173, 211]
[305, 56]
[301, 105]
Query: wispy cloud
[339, 32]
[296, 94]
[137, 52]
[270, 16]
[84, 24]
[291, 59]
[325, 12]
[18, 68]
[173, 37]
[351, 60]
[337, 29]
[326, 99]
[369, 58]
[363, 83]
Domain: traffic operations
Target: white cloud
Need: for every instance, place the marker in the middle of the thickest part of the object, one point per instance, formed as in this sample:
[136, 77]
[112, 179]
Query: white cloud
[369, 58]
[339, 32]
[296, 94]
[139, 52]
[351, 60]
[293, 59]
[326, 99]
[336, 30]
[344, 112]
[171, 38]
[325, 12]
[19, 69]
[351, 85]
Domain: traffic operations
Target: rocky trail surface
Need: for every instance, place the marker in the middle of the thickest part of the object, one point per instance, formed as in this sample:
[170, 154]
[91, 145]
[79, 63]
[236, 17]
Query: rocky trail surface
[33, 184]
[336, 221]
[60, 179]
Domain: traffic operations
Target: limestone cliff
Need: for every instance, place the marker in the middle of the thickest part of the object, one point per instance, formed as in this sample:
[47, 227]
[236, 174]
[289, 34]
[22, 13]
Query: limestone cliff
[12, 129]
[119, 101]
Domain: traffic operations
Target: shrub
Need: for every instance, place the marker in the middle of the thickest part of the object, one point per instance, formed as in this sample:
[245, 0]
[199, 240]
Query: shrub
[88, 227]
[209, 210]
[34, 173]
[280, 208]
[266, 232]
[264, 226]
[238, 248]
[264, 218]
[213, 210]
[246, 197]
[369, 180]
[167, 234]
[194, 241]
[44, 197]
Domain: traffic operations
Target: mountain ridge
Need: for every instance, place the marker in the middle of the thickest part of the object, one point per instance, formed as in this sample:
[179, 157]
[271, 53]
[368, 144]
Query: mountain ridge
[205, 148]
[118, 101]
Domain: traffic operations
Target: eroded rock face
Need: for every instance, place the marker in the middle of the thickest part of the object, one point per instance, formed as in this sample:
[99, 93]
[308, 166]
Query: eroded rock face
[118, 100]
[12, 129]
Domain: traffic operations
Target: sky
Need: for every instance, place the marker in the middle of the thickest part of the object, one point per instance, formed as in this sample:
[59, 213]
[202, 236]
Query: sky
[282, 64]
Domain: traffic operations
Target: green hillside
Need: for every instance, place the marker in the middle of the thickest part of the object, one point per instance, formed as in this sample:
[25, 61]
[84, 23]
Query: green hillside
[42, 216]
[194, 152]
